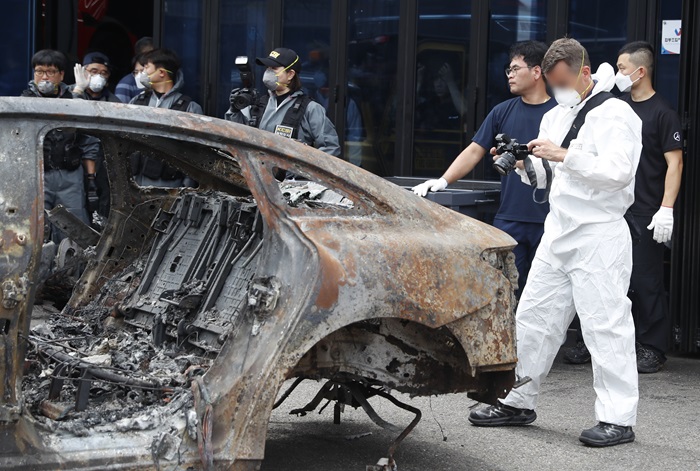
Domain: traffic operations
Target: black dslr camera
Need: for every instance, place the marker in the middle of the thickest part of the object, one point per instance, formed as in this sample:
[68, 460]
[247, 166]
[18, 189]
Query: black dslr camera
[247, 95]
[510, 152]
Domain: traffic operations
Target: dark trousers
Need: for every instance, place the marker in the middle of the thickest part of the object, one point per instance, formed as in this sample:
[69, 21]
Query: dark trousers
[648, 292]
[528, 236]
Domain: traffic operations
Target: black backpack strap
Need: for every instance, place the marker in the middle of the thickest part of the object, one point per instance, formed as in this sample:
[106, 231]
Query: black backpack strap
[295, 114]
[593, 102]
[257, 110]
[181, 104]
[143, 99]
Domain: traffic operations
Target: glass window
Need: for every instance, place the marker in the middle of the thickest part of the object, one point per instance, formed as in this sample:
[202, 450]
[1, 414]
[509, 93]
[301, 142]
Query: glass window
[17, 24]
[510, 22]
[373, 30]
[182, 32]
[307, 31]
[442, 62]
[242, 34]
[600, 26]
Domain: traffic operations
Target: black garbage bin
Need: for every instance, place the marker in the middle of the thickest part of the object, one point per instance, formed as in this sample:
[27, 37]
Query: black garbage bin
[476, 199]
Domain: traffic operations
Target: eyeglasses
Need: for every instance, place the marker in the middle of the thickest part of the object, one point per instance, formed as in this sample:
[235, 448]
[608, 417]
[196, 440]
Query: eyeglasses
[103, 73]
[514, 70]
[48, 72]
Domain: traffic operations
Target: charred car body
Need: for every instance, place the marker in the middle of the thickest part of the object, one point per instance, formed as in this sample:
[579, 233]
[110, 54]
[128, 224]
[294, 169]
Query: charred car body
[196, 305]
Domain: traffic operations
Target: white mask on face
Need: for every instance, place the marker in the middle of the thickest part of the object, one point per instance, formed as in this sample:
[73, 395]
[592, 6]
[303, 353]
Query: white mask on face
[566, 97]
[97, 83]
[624, 82]
[46, 87]
[569, 97]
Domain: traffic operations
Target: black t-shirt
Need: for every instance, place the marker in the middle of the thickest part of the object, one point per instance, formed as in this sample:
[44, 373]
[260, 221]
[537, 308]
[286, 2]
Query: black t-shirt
[520, 121]
[661, 132]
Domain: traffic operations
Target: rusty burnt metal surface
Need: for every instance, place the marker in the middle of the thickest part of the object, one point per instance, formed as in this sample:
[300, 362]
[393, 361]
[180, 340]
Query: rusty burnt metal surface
[196, 305]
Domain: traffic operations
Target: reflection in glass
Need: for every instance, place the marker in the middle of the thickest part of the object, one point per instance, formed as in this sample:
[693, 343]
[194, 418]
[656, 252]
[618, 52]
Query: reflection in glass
[371, 62]
[182, 32]
[510, 22]
[242, 34]
[442, 62]
[600, 26]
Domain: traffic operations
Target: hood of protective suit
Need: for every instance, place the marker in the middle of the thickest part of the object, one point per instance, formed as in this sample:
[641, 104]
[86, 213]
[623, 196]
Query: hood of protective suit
[604, 79]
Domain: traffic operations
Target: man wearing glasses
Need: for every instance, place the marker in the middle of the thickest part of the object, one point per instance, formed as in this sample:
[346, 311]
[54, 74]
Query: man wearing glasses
[67, 154]
[519, 215]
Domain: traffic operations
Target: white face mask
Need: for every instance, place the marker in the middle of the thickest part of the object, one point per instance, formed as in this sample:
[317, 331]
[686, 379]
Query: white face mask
[569, 97]
[97, 83]
[46, 87]
[566, 97]
[624, 82]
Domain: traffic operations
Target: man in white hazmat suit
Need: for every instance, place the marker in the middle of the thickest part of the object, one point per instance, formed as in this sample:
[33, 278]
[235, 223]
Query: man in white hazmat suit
[584, 261]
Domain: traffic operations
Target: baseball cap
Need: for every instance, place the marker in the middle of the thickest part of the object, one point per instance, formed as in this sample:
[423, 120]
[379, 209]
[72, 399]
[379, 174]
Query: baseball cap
[281, 57]
[96, 58]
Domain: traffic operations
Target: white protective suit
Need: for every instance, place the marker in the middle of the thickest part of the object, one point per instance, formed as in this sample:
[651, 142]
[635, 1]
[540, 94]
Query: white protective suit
[584, 261]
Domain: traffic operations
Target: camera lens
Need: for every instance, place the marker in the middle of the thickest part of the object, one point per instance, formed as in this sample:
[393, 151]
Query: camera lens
[242, 101]
[505, 163]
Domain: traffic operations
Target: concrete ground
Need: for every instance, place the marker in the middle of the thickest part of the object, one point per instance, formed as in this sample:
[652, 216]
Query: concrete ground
[668, 430]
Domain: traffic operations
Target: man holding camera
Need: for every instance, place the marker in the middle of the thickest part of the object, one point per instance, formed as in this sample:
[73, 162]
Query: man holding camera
[519, 215]
[286, 111]
[585, 259]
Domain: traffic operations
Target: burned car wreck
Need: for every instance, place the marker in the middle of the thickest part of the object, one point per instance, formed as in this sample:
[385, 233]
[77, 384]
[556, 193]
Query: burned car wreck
[195, 305]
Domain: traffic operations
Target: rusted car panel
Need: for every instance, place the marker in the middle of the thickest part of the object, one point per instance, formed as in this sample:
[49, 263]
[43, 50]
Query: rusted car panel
[21, 236]
[231, 289]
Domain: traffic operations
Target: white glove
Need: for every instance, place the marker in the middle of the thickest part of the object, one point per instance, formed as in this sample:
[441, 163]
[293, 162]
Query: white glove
[432, 185]
[82, 80]
[662, 224]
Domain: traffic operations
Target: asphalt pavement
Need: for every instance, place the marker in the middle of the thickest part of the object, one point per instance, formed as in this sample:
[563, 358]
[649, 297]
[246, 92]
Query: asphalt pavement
[668, 430]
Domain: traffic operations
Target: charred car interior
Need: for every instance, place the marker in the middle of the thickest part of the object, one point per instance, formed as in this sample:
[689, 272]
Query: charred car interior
[184, 314]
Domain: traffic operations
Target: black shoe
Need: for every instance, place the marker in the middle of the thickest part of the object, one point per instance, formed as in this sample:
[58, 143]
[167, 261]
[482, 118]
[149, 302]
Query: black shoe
[495, 416]
[605, 434]
[577, 355]
[649, 360]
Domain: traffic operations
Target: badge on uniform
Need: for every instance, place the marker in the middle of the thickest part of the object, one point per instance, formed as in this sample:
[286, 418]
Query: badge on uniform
[284, 131]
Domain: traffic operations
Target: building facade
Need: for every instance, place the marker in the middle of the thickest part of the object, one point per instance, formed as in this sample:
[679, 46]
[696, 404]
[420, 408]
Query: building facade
[406, 82]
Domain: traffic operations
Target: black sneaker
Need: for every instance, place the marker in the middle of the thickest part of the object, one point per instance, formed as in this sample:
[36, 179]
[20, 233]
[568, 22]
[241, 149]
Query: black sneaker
[605, 434]
[649, 360]
[577, 355]
[501, 414]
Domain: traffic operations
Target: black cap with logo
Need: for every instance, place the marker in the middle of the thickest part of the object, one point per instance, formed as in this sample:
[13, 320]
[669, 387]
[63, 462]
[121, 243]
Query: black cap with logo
[281, 57]
[96, 58]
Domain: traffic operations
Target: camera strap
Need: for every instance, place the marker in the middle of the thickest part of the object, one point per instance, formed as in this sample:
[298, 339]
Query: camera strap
[576, 126]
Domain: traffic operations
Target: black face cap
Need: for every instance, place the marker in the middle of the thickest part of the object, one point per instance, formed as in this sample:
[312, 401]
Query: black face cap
[281, 57]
